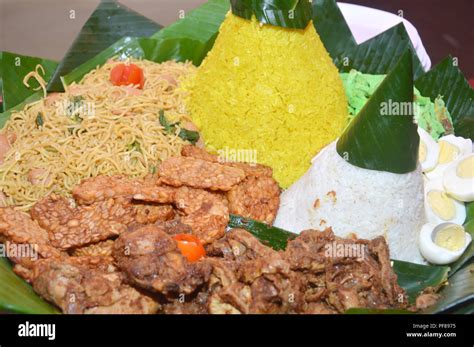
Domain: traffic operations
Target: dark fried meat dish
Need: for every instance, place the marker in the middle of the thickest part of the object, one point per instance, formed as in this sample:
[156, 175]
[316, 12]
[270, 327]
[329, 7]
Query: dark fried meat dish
[151, 259]
[238, 244]
[344, 282]
[89, 285]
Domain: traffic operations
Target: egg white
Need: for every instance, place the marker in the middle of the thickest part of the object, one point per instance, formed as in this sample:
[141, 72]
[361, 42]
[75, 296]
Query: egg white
[459, 188]
[432, 150]
[432, 217]
[434, 253]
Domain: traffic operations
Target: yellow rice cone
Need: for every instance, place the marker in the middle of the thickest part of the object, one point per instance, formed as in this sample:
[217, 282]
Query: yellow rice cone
[271, 90]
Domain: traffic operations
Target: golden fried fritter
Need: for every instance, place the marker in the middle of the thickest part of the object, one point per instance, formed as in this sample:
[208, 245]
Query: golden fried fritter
[256, 197]
[102, 188]
[89, 285]
[70, 227]
[19, 229]
[253, 169]
[198, 173]
[99, 249]
[151, 259]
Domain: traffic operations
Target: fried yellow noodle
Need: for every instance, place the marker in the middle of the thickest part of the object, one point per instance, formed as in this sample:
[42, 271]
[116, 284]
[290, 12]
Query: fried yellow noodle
[94, 128]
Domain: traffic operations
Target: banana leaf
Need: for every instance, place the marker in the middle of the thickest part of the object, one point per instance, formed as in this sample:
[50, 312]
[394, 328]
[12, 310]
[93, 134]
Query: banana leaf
[17, 296]
[468, 253]
[273, 237]
[458, 293]
[5, 116]
[447, 80]
[387, 141]
[375, 56]
[13, 68]
[109, 22]
[333, 29]
[469, 212]
[294, 14]
[200, 24]
[414, 278]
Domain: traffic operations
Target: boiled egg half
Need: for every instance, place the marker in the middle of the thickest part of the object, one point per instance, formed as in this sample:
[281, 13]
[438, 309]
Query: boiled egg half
[428, 152]
[451, 148]
[443, 243]
[440, 207]
[458, 179]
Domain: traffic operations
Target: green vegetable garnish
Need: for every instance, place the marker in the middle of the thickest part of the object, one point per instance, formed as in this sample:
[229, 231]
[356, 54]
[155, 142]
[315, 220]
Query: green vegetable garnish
[74, 108]
[39, 120]
[170, 128]
[134, 146]
[164, 122]
[189, 135]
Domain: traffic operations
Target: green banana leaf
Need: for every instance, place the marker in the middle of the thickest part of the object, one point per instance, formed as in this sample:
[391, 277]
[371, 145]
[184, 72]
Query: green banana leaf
[295, 14]
[468, 253]
[469, 212]
[384, 141]
[414, 278]
[109, 22]
[13, 68]
[271, 236]
[333, 29]
[459, 292]
[17, 296]
[5, 116]
[447, 80]
[200, 24]
[375, 56]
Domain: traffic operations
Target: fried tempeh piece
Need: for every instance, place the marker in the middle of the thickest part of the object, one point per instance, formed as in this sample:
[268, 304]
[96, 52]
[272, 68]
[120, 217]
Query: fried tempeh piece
[198, 173]
[256, 197]
[18, 228]
[99, 249]
[250, 169]
[89, 285]
[70, 227]
[102, 188]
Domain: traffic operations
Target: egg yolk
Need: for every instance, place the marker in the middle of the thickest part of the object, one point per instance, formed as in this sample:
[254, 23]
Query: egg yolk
[423, 152]
[465, 168]
[441, 204]
[447, 152]
[451, 237]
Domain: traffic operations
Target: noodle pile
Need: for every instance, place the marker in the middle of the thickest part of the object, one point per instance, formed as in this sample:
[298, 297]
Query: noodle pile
[94, 128]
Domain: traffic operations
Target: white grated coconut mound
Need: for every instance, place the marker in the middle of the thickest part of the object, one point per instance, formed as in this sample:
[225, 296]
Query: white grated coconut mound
[367, 203]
